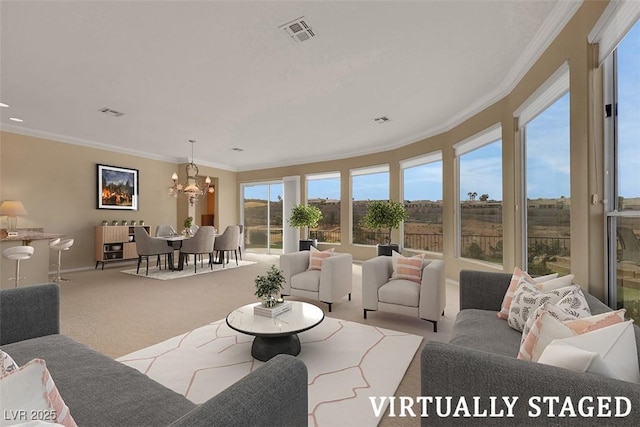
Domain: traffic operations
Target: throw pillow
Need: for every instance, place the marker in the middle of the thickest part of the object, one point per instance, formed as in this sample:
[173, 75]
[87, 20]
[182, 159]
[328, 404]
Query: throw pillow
[316, 258]
[515, 279]
[547, 328]
[615, 344]
[407, 268]
[576, 359]
[31, 388]
[7, 365]
[548, 309]
[528, 298]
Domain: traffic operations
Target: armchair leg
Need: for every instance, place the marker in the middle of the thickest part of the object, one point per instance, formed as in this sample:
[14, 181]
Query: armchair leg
[329, 304]
[349, 296]
[139, 261]
[435, 324]
[365, 313]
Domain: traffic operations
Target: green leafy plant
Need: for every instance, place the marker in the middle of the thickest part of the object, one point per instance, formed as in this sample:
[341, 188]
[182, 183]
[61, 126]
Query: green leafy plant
[187, 222]
[270, 283]
[383, 214]
[305, 216]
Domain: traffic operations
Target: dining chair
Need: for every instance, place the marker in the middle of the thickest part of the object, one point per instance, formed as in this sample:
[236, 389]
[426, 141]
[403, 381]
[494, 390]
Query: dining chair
[241, 239]
[227, 242]
[201, 243]
[164, 230]
[147, 246]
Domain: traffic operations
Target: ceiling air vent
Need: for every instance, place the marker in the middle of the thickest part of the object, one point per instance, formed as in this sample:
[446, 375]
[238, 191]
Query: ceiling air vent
[298, 29]
[383, 119]
[111, 112]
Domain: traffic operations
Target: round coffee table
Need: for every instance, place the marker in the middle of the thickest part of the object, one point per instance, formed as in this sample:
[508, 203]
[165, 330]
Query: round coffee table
[278, 335]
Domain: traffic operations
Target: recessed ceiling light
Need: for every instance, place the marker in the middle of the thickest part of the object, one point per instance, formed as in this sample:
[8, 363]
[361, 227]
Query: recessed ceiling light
[15, 119]
[2, 104]
[237, 149]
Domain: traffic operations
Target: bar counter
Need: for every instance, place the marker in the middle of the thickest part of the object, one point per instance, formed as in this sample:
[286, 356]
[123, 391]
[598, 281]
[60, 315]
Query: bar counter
[36, 269]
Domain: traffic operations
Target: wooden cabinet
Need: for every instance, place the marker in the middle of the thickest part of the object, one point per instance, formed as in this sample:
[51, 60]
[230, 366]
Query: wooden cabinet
[115, 243]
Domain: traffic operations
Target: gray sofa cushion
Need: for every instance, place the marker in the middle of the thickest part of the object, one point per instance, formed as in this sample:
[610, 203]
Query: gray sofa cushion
[96, 388]
[483, 330]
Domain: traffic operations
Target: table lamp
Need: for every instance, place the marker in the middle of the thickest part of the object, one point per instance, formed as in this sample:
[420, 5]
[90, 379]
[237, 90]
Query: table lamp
[12, 209]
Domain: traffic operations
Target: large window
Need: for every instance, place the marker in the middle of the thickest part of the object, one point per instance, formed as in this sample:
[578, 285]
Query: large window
[544, 129]
[480, 196]
[622, 96]
[262, 214]
[422, 194]
[367, 185]
[323, 191]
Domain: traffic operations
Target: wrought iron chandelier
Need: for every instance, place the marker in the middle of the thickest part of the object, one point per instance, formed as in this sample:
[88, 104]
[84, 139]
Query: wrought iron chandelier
[190, 187]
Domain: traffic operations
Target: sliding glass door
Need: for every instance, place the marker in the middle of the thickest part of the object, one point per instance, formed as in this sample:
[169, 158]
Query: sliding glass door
[262, 215]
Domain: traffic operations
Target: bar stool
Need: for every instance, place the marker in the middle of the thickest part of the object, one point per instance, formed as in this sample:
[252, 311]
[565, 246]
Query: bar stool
[60, 245]
[17, 254]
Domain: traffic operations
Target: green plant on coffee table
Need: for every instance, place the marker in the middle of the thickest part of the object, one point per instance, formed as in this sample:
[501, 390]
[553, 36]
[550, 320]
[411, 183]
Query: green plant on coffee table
[269, 284]
[384, 214]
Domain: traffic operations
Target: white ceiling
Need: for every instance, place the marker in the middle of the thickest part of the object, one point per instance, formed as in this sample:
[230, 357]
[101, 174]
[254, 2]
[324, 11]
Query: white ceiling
[224, 74]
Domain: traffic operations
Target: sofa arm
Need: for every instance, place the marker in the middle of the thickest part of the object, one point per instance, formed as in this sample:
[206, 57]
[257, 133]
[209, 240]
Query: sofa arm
[29, 312]
[450, 370]
[483, 290]
[275, 394]
[291, 264]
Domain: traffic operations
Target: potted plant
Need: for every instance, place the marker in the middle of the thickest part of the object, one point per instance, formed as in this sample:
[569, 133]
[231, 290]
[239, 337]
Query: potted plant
[305, 216]
[385, 215]
[187, 225]
[267, 287]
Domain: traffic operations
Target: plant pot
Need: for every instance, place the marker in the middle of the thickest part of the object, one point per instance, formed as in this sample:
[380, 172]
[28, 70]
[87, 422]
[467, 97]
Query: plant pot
[305, 245]
[386, 250]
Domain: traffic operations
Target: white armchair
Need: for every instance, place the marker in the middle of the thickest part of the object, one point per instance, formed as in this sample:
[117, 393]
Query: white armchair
[425, 300]
[328, 285]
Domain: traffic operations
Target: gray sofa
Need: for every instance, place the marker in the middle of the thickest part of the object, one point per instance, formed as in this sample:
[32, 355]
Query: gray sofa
[102, 392]
[480, 360]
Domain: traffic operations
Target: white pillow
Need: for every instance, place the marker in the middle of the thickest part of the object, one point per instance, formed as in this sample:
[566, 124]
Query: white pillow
[7, 364]
[31, 389]
[407, 268]
[316, 257]
[567, 356]
[615, 344]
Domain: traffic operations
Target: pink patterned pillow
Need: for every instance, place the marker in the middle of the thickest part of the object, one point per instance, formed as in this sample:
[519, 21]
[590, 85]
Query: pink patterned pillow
[31, 386]
[547, 328]
[518, 274]
[316, 258]
[407, 268]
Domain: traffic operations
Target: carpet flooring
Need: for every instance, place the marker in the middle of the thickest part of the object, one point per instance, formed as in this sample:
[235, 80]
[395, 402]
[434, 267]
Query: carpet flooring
[117, 314]
[187, 271]
[344, 361]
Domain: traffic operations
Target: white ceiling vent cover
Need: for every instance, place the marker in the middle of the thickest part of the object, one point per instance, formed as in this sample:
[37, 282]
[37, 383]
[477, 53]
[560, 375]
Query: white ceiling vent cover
[298, 29]
[111, 112]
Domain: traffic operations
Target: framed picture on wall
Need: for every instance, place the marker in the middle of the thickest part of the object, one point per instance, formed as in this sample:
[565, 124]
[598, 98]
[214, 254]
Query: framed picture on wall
[117, 188]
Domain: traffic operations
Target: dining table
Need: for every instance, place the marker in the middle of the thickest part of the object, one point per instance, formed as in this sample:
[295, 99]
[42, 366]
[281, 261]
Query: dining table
[175, 241]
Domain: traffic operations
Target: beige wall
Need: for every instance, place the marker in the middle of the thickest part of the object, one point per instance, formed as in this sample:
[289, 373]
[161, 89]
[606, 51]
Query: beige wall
[587, 220]
[56, 182]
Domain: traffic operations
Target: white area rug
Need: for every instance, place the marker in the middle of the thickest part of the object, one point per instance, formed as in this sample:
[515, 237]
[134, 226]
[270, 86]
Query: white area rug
[347, 363]
[187, 271]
